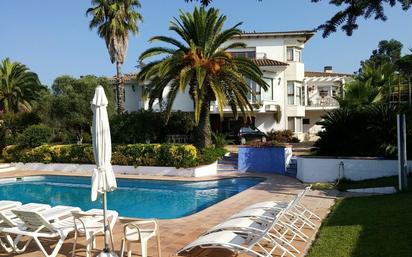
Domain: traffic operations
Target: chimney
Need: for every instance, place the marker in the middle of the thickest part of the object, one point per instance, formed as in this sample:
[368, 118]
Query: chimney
[328, 69]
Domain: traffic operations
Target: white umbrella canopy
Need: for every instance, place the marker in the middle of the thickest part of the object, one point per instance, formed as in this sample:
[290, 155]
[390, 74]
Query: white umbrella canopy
[103, 179]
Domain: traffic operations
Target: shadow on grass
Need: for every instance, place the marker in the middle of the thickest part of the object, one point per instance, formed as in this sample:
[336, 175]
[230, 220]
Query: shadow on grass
[371, 226]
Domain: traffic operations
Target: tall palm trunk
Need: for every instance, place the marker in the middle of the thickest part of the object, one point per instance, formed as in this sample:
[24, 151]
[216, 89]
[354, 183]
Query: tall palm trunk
[203, 131]
[119, 88]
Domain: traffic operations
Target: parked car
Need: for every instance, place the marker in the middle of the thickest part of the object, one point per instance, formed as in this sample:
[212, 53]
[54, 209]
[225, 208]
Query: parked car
[250, 133]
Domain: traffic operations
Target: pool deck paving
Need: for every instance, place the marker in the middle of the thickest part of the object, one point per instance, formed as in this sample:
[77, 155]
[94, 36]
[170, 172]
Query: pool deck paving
[176, 233]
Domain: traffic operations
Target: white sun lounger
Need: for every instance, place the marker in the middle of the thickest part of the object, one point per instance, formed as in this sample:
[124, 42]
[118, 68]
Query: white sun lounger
[236, 242]
[9, 220]
[6, 205]
[275, 230]
[296, 213]
[38, 225]
[298, 208]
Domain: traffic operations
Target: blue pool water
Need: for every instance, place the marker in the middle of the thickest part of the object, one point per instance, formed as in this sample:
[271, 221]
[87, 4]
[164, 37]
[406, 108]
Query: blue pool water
[134, 198]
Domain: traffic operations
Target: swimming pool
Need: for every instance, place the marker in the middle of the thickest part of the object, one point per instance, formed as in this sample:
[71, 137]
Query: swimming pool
[134, 198]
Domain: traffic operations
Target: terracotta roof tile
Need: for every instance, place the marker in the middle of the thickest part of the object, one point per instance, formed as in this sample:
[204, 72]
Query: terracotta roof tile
[269, 62]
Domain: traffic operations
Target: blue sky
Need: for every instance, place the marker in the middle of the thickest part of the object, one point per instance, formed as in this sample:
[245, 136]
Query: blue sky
[52, 36]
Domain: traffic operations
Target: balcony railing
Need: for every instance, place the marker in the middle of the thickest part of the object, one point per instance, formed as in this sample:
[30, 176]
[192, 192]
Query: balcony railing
[323, 102]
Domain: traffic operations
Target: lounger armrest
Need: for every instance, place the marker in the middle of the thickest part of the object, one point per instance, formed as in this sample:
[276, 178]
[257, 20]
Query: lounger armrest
[79, 214]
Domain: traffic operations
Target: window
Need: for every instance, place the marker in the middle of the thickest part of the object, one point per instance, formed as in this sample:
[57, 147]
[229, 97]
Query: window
[295, 93]
[291, 93]
[297, 55]
[291, 123]
[299, 95]
[289, 54]
[295, 124]
[247, 54]
[306, 121]
[298, 124]
[293, 54]
[269, 95]
[254, 95]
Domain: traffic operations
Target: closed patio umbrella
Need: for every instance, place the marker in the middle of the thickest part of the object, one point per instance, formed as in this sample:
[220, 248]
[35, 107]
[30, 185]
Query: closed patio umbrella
[103, 179]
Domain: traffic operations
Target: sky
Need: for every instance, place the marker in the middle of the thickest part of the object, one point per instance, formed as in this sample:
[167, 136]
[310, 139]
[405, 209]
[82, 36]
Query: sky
[52, 37]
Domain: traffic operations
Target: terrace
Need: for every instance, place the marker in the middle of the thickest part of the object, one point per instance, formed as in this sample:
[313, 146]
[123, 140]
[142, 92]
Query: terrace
[175, 233]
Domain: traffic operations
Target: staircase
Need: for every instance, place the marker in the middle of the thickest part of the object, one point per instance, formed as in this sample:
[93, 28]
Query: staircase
[5, 167]
[227, 163]
[292, 168]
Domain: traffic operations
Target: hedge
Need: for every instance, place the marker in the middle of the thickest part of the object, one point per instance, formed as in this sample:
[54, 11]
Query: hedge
[136, 155]
[174, 155]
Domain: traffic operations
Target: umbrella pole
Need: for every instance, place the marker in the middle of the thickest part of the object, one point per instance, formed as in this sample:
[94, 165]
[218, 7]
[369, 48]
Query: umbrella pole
[106, 245]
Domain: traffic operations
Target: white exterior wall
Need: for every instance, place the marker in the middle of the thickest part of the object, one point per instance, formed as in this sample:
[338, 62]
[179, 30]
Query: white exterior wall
[320, 169]
[133, 97]
[274, 48]
[312, 129]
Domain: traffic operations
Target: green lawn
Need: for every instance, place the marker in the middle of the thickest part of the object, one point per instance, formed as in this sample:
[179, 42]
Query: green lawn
[373, 226]
[347, 184]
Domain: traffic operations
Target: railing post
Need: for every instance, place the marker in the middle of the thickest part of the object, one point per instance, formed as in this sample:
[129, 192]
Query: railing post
[402, 156]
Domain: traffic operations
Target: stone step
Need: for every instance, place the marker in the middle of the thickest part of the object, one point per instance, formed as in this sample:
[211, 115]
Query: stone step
[227, 162]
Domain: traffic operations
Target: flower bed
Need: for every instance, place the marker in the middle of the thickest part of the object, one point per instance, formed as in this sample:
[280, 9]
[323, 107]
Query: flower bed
[171, 155]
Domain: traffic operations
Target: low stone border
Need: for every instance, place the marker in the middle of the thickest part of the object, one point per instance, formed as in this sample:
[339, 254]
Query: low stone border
[201, 171]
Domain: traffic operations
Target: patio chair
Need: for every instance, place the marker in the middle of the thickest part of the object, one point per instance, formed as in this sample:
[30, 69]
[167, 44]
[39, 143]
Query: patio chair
[38, 225]
[137, 231]
[89, 224]
[9, 220]
[236, 242]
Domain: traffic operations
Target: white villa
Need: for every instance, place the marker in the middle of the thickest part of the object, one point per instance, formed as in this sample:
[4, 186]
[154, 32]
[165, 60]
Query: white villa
[295, 99]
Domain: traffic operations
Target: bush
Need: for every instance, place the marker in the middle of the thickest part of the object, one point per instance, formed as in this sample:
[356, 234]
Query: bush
[282, 136]
[368, 131]
[34, 135]
[219, 140]
[210, 155]
[175, 155]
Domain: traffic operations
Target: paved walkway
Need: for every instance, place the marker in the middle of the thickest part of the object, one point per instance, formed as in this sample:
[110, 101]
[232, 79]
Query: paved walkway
[176, 233]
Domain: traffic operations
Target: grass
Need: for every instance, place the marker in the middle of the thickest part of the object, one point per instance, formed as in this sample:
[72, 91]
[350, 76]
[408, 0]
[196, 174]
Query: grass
[373, 226]
[370, 226]
[348, 184]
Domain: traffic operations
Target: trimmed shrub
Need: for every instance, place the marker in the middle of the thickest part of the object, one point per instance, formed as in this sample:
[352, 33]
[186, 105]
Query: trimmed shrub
[34, 135]
[210, 155]
[282, 136]
[175, 155]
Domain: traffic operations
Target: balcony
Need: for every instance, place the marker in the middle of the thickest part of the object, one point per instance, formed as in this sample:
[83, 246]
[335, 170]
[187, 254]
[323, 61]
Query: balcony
[321, 103]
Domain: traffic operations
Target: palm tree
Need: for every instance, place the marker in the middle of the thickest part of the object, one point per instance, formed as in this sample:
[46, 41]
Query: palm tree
[18, 86]
[114, 19]
[201, 64]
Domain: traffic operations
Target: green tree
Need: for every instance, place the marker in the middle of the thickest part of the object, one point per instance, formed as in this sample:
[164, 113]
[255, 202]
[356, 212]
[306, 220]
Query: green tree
[201, 63]
[67, 110]
[347, 17]
[114, 19]
[18, 87]
[404, 66]
[372, 85]
[389, 51]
